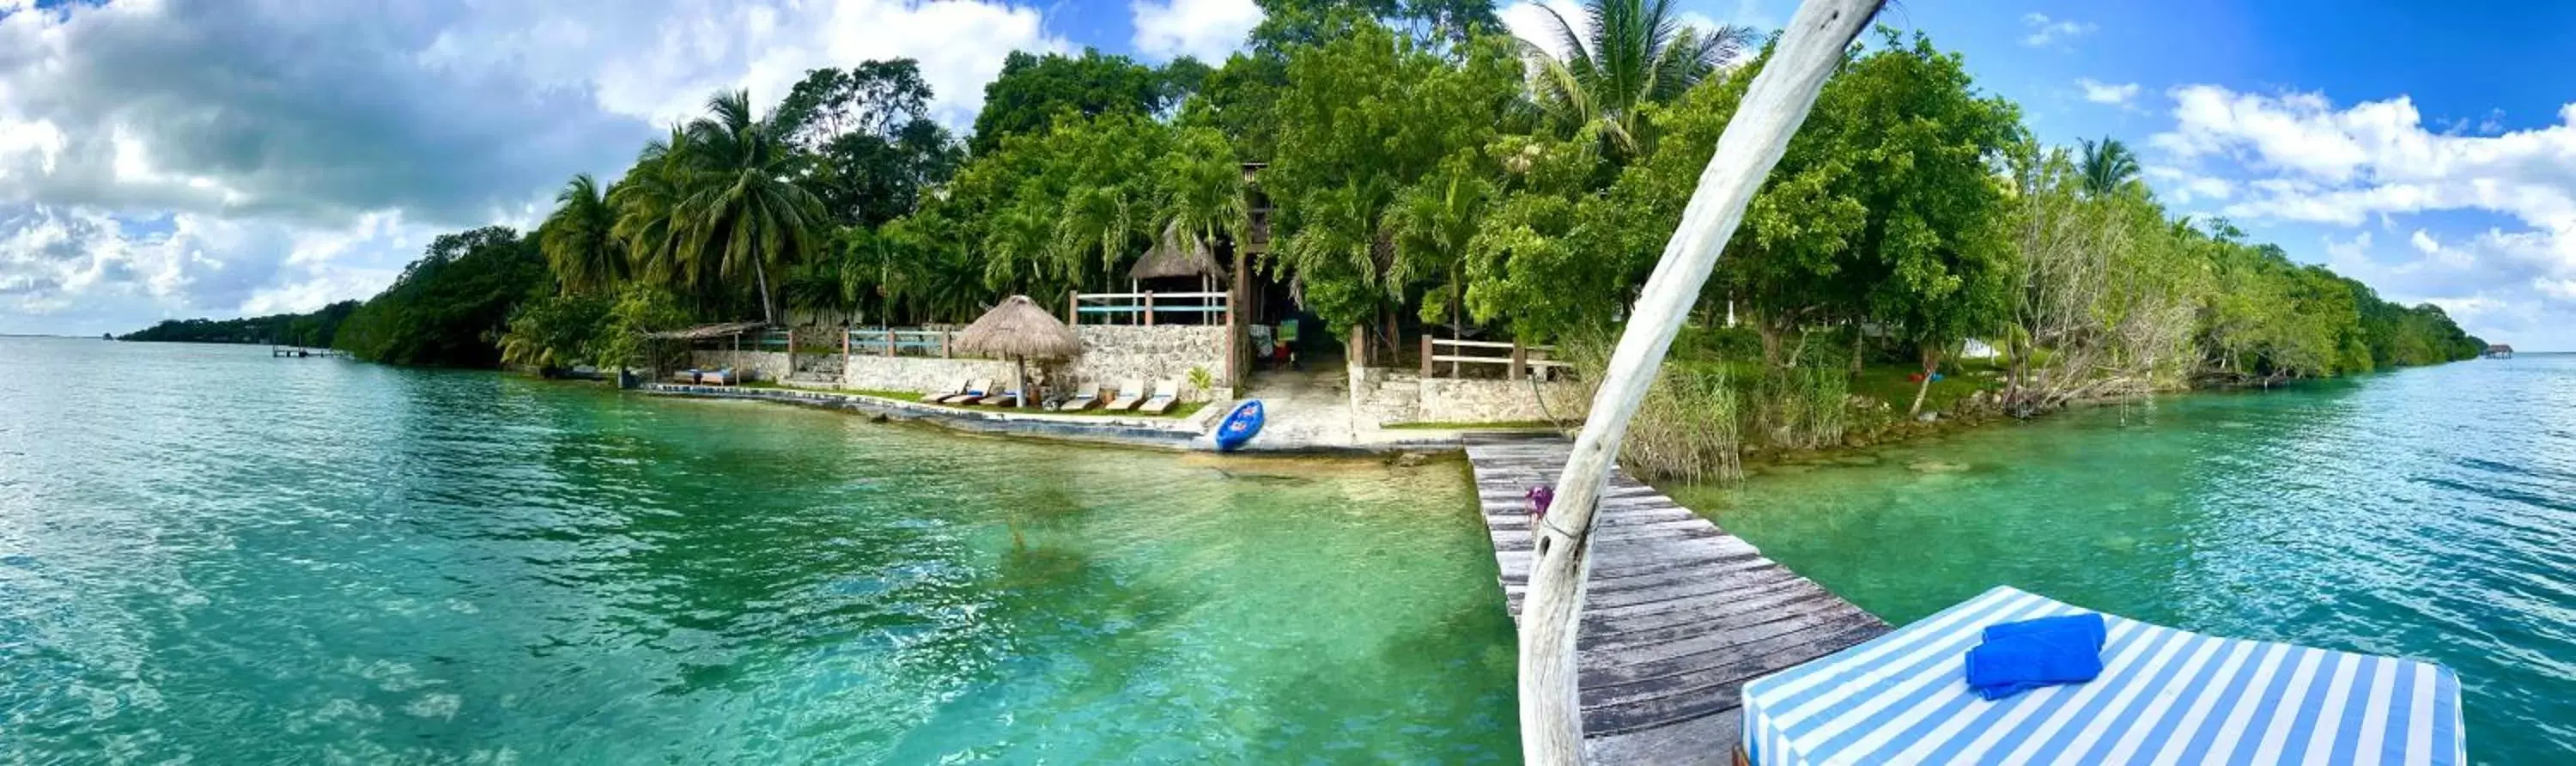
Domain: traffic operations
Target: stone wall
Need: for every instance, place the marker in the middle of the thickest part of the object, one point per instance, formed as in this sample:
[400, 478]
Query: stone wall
[758, 365]
[924, 374]
[1112, 353]
[1470, 400]
[1382, 396]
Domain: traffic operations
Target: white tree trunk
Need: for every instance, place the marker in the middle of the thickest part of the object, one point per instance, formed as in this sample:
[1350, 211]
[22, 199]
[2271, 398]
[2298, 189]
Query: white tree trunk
[1809, 50]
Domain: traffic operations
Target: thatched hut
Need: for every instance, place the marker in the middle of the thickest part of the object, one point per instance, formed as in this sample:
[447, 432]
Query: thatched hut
[1178, 255]
[1020, 330]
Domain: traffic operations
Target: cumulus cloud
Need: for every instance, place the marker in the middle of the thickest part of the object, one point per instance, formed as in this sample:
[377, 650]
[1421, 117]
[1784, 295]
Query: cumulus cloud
[2045, 31]
[2186, 187]
[188, 157]
[1206, 29]
[2105, 93]
[2305, 159]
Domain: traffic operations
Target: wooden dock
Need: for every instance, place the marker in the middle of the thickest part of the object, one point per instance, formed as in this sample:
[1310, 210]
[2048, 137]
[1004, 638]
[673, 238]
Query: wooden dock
[1678, 616]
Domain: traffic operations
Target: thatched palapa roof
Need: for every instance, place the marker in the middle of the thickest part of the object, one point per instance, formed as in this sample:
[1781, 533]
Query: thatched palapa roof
[1177, 255]
[705, 331]
[1018, 328]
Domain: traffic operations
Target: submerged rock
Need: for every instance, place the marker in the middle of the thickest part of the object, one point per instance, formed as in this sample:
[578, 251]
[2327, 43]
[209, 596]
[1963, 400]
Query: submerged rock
[1936, 466]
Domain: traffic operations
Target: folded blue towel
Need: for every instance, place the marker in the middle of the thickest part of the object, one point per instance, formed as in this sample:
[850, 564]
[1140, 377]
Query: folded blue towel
[2021, 656]
[2089, 622]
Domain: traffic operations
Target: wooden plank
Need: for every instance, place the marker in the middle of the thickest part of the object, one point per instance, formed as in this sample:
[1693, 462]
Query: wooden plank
[1678, 613]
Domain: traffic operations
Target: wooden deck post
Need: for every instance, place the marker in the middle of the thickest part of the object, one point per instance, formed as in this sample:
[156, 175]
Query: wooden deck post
[1149, 309]
[1520, 358]
[943, 343]
[1813, 43]
[1073, 309]
[1426, 355]
[889, 341]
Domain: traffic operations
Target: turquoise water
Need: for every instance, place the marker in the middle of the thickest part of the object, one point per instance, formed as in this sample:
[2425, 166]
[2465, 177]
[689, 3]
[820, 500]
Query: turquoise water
[212, 556]
[2428, 513]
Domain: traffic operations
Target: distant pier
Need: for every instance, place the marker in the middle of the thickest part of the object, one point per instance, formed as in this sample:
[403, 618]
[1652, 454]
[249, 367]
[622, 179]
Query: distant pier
[300, 352]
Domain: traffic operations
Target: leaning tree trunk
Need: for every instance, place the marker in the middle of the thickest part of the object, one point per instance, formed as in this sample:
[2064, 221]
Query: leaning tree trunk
[761, 276]
[1808, 51]
[1931, 362]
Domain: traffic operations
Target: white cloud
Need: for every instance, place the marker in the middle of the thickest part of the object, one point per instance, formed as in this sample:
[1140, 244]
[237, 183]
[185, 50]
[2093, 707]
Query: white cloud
[182, 158]
[2045, 31]
[2185, 186]
[2104, 93]
[1207, 29]
[2300, 157]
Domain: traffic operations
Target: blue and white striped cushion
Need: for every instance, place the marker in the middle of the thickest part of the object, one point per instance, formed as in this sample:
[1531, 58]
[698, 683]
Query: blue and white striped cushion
[2164, 696]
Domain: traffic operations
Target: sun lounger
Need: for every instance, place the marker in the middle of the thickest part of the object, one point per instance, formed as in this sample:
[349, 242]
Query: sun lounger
[1165, 394]
[723, 377]
[688, 376]
[1130, 393]
[953, 389]
[998, 399]
[2163, 696]
[976, 390]
[1083, 398]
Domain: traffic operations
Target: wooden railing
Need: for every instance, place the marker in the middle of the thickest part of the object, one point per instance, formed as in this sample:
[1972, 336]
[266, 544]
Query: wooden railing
[899, 342]
[1142, 308]
[1515, 358]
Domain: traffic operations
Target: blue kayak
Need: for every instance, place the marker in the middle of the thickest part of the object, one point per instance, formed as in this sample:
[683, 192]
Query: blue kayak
[1239, 426]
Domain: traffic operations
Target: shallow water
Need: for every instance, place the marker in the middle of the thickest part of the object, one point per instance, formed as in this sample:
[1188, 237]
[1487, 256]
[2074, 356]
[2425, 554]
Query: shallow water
[211, 555]
[2428, 513]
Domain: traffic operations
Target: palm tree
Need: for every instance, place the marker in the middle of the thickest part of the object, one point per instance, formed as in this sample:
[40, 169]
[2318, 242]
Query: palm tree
[1629, 53]
[646, 225]
[2108, 165]
[1203, 188]
[577, 239]
[1433, 222]
[743, 211]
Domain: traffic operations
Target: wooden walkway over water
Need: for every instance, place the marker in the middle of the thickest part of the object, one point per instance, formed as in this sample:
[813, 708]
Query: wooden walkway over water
[1678, 616]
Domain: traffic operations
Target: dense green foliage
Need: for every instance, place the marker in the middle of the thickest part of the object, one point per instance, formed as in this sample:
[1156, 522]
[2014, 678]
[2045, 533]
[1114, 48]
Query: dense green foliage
[1426, 169]
[449, 307]
[312, 330]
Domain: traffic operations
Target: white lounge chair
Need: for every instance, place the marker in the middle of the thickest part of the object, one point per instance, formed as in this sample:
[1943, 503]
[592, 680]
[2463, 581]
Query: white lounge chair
[1130, 392]
[1165, 395]
[942, 395]
[976, 390]
[1083, 398]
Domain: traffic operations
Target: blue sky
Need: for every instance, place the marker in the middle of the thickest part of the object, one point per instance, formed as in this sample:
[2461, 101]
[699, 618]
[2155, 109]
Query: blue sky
[180, 158]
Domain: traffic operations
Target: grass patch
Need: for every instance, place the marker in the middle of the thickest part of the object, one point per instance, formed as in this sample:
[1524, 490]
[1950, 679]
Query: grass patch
[1507, 425]
[1888, 384]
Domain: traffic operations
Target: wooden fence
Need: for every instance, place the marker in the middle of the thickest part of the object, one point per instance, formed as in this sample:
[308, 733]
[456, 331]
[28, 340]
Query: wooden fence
[1515, 358]
[1144, 308]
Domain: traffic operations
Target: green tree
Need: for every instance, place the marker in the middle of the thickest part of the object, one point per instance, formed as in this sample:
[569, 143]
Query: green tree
[450, 307]
[1363, 117]
[1203, 189]
[647, 201]
[554, 331]
[1626, 54]
[742, 211]
[867, 140]
[578, 239]
[1435, 221]
[2108, 165]
[1033, 90]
